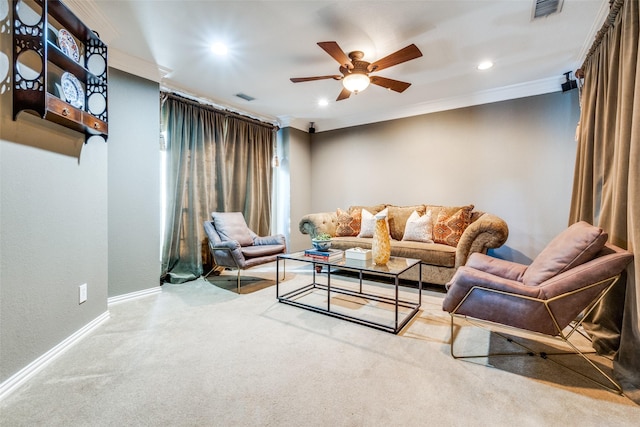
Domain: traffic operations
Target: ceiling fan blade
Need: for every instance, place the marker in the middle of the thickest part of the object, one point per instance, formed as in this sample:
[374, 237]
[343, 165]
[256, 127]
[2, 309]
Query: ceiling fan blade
[403, 55]
[309, 79]
[336, 53]
[395, 85]
[343, 95]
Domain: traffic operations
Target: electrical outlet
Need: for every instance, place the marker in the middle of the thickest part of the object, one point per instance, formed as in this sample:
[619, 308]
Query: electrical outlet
[82, 293]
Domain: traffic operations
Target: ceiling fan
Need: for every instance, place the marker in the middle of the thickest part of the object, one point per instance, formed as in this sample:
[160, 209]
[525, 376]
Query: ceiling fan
[355, 72]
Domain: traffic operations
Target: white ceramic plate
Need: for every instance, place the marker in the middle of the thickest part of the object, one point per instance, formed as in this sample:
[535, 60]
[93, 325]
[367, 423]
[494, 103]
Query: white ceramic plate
[68, 44]
[72, 90]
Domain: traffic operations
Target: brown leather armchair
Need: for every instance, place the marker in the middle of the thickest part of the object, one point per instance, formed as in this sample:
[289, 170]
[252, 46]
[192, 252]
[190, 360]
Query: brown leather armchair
[552, 296]
[234, 245]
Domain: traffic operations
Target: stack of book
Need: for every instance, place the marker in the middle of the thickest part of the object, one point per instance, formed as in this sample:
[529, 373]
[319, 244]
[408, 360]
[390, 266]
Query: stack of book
[328, 255]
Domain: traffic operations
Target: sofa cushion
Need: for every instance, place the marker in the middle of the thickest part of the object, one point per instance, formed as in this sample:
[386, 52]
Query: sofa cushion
[372, 209]
[418, 228]
[448, 229]
[398, 216]
[576, 245]
[256, 251]
[429, 253]
[348, 223]
[436, 209]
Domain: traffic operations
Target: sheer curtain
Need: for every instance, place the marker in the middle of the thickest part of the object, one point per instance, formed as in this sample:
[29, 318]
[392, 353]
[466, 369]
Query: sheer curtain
[606, 188]
[215, 161]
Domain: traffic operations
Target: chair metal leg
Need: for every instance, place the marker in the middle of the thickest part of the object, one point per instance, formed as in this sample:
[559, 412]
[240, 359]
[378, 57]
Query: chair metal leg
[544, 355]
[239, 270]
[210, 271]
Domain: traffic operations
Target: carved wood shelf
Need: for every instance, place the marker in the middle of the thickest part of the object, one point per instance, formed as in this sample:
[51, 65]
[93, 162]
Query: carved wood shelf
[41, 61]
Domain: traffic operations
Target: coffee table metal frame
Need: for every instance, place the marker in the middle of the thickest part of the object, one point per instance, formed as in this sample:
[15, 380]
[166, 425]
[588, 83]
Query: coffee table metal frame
[393, 270]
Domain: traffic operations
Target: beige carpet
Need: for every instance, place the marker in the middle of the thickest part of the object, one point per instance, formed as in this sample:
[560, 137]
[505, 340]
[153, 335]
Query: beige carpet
[198, 354]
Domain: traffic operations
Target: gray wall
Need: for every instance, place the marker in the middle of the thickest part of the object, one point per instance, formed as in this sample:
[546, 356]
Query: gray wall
[295, 181]
[514, 159]
[53, 231]
[72, 213]
[134, 184]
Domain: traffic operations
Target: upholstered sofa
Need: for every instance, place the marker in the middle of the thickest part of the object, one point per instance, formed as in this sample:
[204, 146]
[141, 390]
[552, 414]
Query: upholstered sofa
[442, 237]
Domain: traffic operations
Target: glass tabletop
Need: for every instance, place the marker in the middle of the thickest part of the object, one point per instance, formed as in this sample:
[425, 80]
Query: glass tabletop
[395, 265]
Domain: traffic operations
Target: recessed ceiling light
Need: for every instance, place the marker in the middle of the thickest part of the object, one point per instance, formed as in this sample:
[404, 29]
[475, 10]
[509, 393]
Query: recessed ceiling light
[323, 102]
[485, 65]
[219, 48]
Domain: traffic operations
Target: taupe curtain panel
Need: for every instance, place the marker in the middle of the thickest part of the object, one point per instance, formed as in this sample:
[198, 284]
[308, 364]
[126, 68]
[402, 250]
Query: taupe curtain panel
[216, 161]
[606, 189]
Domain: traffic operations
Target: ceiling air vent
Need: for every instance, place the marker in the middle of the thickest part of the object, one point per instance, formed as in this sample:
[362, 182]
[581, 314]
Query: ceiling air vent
[543, 8]
[245, 96]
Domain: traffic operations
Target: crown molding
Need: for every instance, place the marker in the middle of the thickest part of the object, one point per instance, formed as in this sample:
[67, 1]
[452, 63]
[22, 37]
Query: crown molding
[521, 90]
[137, 66]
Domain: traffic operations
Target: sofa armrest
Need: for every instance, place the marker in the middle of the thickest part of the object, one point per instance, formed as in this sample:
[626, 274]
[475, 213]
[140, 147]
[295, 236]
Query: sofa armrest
[488, 231]
[317, 223]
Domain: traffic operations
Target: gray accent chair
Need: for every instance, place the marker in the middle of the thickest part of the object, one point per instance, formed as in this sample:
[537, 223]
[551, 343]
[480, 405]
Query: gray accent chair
[552, 296]
[234, 245]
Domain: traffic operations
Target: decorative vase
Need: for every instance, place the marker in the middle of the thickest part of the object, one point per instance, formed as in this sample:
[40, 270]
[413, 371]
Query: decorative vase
[381, 246]
[321, 245]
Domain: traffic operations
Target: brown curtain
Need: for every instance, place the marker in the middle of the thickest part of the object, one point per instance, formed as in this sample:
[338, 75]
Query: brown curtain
[606, 188]
[215, 161]
[249, 150]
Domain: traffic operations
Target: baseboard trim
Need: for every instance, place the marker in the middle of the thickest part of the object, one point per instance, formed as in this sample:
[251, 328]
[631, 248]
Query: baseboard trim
[134, 295]
[19, 378]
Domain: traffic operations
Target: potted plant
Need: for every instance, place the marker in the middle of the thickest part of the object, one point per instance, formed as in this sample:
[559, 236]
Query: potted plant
[322, 241]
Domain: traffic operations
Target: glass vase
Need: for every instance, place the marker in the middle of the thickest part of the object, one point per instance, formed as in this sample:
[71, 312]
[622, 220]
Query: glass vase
[381, 246]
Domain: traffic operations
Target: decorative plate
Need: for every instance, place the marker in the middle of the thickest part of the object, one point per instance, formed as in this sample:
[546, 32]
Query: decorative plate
[68, 44]
[72, 90]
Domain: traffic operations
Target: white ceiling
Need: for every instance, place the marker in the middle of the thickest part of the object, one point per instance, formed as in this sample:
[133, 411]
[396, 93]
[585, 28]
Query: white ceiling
[270, 41]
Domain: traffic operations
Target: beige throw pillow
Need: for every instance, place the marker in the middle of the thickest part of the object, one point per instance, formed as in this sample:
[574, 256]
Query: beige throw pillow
[419, 228]
[368, 223]
[398, 216]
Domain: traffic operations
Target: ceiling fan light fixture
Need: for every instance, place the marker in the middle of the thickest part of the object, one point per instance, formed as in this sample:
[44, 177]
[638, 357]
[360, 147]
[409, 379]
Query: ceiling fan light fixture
[356, 82]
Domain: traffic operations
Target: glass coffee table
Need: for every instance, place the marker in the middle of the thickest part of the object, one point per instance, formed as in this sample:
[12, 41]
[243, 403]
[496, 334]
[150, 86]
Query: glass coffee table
[375, 300]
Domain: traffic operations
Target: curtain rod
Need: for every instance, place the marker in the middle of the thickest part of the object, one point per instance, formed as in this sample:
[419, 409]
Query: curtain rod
[614, 8]
[228, 113]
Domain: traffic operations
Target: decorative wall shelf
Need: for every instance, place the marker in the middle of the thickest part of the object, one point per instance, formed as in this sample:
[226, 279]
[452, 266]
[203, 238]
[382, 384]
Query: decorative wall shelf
[59, 67]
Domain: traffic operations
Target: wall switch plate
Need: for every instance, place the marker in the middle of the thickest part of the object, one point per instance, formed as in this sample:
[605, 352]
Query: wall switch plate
[82, 293]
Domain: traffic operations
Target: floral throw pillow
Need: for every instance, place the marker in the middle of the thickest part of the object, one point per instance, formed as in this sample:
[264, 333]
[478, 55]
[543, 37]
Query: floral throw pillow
[448, 229]
[419, 228]
[348, 224]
